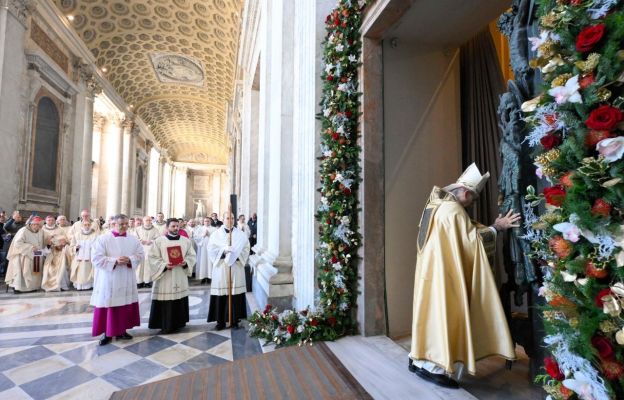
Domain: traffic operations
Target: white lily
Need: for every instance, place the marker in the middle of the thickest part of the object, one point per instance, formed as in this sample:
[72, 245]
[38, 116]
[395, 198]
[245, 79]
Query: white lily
[612, 148]
[536, 41]
[569, 93]
[570, 231]
[581, 385]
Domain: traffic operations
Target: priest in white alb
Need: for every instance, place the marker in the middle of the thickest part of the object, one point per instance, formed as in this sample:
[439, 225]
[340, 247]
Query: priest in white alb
[171, 262]
[115, 297]
[160, 224]
[228, 250]
[201, 236]
[81, 249]
[56, 265]
[85, 215]
[26, 258]
[146, 233]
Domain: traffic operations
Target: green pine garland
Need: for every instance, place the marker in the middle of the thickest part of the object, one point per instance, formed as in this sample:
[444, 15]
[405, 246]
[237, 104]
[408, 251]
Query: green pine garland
[576, 128]
[340, 177]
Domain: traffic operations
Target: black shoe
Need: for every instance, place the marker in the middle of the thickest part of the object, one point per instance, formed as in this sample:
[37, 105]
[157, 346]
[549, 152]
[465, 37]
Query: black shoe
[438, 379]
[147, 285]
[235, 326]
[412, 367]
[125, 336]
[219, 327]
[140, 285]
[105, 340]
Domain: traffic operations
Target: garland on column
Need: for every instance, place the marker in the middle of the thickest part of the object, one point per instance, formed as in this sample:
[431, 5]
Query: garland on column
[576, 129]
[340, 177]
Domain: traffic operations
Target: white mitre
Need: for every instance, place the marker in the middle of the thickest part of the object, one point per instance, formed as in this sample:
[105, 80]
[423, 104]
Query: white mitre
[471, 179]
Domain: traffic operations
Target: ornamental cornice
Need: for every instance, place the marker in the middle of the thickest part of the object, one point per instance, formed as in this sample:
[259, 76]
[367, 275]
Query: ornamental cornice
[22, 10]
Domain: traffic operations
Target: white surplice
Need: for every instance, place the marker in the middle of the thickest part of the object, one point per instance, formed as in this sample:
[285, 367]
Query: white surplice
[170, 284]
[81, 271]
[148, 236]
[162, 228]
[56, 265]
[204, 265]
[115, 285]
[20, 274]
[235, 260]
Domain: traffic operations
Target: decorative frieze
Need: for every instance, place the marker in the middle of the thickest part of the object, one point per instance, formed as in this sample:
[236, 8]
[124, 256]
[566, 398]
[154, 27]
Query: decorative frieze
[49, 47]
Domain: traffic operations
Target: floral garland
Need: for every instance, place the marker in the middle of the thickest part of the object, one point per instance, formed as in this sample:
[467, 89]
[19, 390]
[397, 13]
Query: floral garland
[575, 127]
[340, 177]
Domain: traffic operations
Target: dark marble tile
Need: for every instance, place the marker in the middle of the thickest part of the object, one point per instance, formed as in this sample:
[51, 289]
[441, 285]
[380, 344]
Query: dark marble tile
[82, 337]
[88, 352]
[57, 382]
[205, 341]
[5, 383]
[134, 374]
[243, 345]
[200, 361]
[150, 346]
[24, 357]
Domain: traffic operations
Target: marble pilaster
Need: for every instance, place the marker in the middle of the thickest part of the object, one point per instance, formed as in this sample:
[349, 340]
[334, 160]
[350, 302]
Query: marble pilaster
[216, 193]
[113, 161]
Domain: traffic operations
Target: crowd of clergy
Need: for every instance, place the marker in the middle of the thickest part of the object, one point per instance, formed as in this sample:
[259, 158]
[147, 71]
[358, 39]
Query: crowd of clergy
[124, 254]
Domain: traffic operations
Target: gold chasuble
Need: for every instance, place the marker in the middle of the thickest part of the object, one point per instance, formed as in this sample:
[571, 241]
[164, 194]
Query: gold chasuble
[457, 315]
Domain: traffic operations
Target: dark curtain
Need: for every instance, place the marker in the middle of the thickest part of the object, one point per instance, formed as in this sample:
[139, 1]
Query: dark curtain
[481, 85]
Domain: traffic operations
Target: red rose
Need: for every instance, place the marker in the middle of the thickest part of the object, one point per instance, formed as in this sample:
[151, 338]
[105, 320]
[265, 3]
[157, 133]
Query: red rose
[274, 317]
[612, 369]
[348, 114]
[601, 208]
[589, 36]
[331, 321]
[604, 118]
[314, 322]
[586, 80]
[593, 137]
[347, 191]
[267, 308]
[600, 295]
[550, 140]
[604, 347]
[330, 78]
[334, 260]
[290, 329]
[335, 135]
[552, 369]
[555, 195]
[566, 180]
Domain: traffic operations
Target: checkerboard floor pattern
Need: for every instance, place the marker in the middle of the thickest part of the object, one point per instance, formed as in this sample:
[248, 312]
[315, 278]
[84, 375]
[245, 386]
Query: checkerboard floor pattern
[47, 352]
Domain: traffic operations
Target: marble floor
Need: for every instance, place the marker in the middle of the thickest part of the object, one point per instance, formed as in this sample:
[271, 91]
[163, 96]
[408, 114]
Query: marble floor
[493, 381]
[47, 352]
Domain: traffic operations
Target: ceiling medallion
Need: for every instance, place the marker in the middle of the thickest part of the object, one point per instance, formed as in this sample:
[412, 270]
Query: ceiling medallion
[175, 68]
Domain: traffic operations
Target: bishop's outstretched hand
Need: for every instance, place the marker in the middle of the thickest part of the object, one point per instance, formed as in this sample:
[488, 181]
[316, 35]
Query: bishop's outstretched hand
[510, 220]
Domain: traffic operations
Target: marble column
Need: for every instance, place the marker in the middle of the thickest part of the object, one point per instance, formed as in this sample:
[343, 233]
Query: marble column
[129, 161]
[166, 190]
[86, 169]
[99, 121]
[4, 11]
[216, 193]
[160, 180]
[114, 161]
[179, 192]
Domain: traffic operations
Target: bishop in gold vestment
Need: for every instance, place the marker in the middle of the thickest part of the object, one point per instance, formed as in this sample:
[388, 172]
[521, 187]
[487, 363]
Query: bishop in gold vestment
[457, 314]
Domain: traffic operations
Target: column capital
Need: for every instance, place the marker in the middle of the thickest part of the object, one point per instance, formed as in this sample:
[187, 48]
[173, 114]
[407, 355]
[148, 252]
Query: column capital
[127, 122]
[99, 120]
[22, 9]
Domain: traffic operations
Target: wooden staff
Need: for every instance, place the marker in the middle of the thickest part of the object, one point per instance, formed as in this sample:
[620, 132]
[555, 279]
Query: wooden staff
[230, 268]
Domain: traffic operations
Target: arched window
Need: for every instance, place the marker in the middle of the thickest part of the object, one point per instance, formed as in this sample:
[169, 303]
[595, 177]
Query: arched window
[45, 155]
[139, 188]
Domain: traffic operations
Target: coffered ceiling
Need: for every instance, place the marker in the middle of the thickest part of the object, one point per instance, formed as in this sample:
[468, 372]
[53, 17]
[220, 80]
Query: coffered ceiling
[172, 60]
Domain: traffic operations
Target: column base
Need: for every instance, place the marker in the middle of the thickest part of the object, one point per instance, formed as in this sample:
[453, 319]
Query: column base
[273, 280]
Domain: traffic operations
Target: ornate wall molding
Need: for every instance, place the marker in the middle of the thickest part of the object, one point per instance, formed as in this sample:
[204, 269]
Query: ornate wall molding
[50, 74]
[38, 35]
[22, 10]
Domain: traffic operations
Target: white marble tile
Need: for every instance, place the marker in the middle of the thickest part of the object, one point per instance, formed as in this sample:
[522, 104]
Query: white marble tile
[174, 355]
[167, 374]
[223, 350]
[135, 339]
[110, 362]
[374, 368]
[15, 393]
[37, 369]
[182, 336]
[96, 389]
[62, 347]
